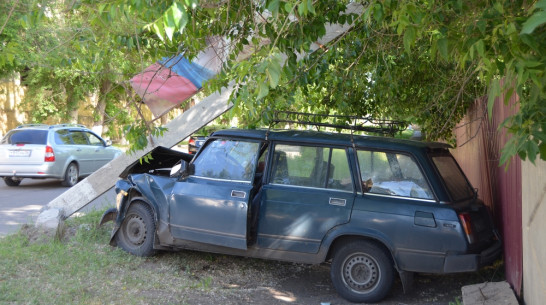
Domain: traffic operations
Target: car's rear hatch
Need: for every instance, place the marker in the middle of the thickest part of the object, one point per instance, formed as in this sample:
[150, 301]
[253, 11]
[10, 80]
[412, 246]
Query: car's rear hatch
[23, 147]
[474, 217]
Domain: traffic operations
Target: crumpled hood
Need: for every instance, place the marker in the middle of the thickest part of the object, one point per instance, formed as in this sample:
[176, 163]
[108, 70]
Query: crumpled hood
[161, 157]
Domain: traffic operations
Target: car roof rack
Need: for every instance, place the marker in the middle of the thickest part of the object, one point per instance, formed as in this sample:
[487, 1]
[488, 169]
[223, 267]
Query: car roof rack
[353, 123]
[32, 125]
[68, 125]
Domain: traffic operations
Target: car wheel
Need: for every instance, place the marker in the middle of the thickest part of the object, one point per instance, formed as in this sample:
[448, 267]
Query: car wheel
[136, 234]
[362, 272]
[71, 175]
[12, 181]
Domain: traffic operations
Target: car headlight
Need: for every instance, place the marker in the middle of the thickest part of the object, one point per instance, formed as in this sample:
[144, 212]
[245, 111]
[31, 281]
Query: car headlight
[119, 198]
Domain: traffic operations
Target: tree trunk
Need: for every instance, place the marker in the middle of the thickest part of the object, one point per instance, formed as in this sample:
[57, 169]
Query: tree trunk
[100, 110]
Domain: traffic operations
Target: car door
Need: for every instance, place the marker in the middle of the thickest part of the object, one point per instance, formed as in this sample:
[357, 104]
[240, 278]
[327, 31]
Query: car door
[399, 203]
[310, 191]
[211, 205]
[82, 151]
[101, 155]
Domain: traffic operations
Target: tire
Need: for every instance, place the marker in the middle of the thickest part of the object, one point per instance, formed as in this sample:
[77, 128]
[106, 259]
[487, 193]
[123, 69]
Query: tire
[71, 175]
[362, 272]
[137, 231]
[12, 181]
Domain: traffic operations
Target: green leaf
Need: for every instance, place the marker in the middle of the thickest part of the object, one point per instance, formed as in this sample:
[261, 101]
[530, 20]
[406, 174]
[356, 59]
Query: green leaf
[409, 38]
[310, 7]
[494, 92]
[263, 90]
[442, 48]
[481, 48]
[378, 12]
[157, 28]
[273, 6]
[302, 8]
[273, 73]
[537, 19]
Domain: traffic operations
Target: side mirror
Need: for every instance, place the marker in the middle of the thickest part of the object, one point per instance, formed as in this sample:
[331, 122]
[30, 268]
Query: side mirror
[182, 169]
[108, 142]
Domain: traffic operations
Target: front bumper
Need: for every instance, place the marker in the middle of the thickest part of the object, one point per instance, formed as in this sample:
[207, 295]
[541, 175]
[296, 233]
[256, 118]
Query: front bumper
[473, 262]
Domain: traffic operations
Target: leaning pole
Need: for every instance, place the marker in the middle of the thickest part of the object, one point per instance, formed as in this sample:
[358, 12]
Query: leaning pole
[179, 128]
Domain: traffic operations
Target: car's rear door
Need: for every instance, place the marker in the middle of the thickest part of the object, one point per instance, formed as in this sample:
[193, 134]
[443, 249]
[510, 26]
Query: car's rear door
[211, 205]
[310, 191]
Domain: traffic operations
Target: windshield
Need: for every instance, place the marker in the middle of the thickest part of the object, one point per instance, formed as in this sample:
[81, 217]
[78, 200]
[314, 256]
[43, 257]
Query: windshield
[227, 159]
[29, 136]
[458, 187]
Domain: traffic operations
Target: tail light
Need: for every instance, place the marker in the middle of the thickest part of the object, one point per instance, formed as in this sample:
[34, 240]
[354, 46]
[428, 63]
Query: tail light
[49, 154]
[192, 141]
[467, 226]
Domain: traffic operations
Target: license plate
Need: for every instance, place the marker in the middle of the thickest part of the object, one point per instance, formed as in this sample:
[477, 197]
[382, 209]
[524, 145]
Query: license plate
[19, 153]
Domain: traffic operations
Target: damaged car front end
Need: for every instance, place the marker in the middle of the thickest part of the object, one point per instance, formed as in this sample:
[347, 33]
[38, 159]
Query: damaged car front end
[141, 180]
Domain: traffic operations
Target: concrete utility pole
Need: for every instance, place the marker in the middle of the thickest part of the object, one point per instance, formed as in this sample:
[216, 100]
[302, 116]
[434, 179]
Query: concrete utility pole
[179, 128]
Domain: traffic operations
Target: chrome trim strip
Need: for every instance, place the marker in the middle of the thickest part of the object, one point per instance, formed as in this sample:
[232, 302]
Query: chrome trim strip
[209, 231]
[312, 188]
[218, 179]
[401, 197]
[289, 238]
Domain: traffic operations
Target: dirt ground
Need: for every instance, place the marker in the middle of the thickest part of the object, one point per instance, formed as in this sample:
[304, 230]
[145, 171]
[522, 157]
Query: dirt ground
[288, 283]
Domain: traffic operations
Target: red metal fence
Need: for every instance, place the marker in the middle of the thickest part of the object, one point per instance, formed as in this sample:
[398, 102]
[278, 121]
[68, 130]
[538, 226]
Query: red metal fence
[479, 141]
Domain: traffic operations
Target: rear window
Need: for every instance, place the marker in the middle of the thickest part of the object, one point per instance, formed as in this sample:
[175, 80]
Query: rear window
[457, 185]
[26, 137]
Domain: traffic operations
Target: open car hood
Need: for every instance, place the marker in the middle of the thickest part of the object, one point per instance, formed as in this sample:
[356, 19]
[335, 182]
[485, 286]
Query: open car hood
[161, 157]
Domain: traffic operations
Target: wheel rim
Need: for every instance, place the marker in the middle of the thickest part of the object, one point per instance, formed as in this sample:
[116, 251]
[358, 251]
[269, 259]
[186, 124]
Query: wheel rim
[360, 273]
[72, 174]
[136, 230]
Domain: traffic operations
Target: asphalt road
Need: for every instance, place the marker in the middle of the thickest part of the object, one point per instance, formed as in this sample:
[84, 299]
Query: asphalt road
[22, 204]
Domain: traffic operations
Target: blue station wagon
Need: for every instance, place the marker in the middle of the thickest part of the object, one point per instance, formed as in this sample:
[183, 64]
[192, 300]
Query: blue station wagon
[372, 207]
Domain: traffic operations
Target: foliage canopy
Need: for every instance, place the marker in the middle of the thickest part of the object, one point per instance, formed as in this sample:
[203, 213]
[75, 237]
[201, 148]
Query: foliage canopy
[423, 61]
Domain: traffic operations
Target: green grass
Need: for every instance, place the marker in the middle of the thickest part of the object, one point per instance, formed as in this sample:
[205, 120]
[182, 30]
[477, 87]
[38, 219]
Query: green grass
[80, 267]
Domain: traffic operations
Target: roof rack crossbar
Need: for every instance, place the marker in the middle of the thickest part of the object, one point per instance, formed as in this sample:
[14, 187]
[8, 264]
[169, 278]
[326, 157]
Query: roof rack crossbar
[353, 123]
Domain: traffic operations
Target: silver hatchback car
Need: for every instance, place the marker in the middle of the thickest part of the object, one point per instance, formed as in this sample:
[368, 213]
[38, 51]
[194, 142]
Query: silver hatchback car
[66, 152]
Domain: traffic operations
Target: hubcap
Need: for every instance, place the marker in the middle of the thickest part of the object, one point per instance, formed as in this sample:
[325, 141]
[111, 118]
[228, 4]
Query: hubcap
[136, 230]
[73, 174]
[360, 272]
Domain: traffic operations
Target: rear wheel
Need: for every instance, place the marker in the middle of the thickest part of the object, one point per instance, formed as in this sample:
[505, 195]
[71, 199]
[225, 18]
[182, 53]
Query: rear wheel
[362, 272]
[10, 181]
[136, 234]
[71, 175]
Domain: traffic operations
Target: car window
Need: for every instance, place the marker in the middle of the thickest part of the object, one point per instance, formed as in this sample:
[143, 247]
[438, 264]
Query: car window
[62, 137]
[310, 166]
[94, 140]
[79, 138]
[392, 174]
[26, 137]
[455, 180]
[227, 159]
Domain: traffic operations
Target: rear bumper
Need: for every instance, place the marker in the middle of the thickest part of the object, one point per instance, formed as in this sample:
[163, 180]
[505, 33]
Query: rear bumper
[44, 170]
[472, 262]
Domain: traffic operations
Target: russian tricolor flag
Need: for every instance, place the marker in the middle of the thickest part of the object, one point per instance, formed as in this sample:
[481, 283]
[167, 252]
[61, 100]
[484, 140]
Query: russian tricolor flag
[172, 80]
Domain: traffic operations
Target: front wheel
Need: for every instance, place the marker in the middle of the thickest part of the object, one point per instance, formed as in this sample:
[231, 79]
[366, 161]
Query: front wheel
[71, 175]
[361, 271]
[10, 181]
[136, 234]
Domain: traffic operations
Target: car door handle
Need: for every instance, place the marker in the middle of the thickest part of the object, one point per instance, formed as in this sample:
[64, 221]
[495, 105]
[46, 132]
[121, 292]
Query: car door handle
[337, 201]
[238, 194]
